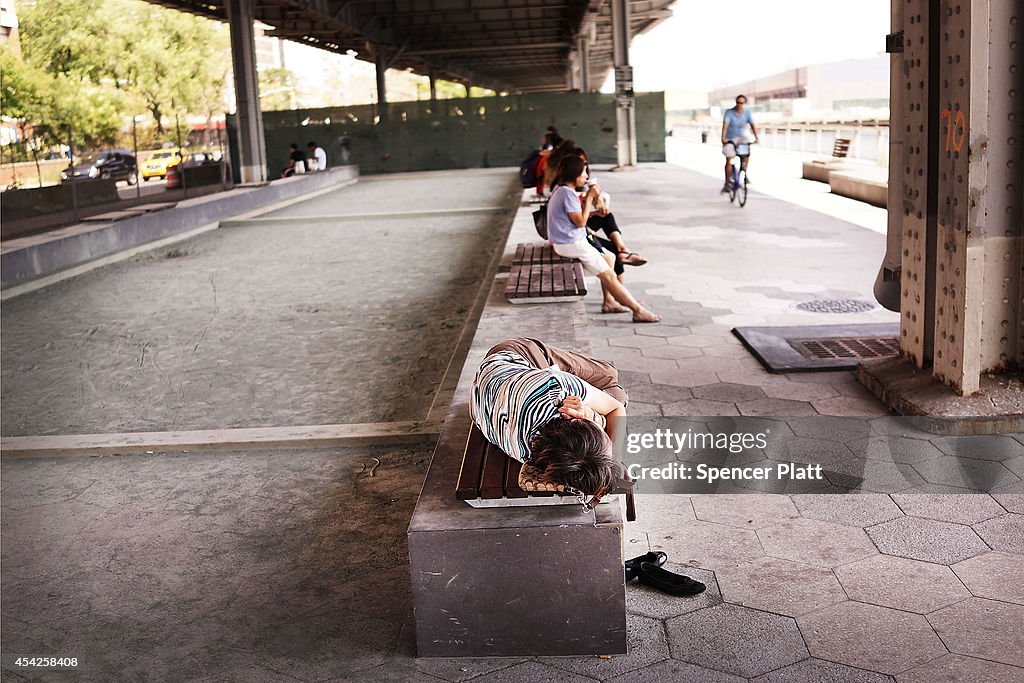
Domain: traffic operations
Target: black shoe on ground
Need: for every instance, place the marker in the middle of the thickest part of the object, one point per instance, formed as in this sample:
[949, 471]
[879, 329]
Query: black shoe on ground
[655, 557]
[668, 582]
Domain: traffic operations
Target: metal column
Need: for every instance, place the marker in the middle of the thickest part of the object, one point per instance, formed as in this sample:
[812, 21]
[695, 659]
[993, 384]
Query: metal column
[887, 284]
[980, 227]
[963, 189]
[433, 87]
[583, 57]
[252, 154]
[625, 101]
[380, 62]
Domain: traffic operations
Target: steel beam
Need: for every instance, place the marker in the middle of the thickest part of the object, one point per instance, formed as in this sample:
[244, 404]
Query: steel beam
[252, 154]
[625, 101]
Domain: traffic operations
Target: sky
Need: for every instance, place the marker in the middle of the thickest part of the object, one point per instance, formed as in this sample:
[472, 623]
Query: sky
[707, 45]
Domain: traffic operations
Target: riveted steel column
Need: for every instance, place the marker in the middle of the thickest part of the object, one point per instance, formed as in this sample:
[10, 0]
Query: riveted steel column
[252, 155]
[887, 284]
[625, 101]
[978, 294]
[915, 303]
[583, 56]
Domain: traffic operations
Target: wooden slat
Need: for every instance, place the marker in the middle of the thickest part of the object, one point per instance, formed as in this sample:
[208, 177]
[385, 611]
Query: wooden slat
[512, 489]
[523, 289]
[581, 285]
[468, 486]
[492, 481]
[545, 279]
[534, 288]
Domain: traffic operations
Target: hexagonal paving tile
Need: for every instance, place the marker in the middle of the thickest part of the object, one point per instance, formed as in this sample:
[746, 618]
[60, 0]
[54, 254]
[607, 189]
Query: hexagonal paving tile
[751, 511]
[960, 669]
[966, 473]
[852, 510]
[1011, 501]
[876, 476]
[636, 361]
[982, 628]
[458, 670]
[736, 640]
[800, 391]
[897, 449]
[672, 352]
[995, 575]
[986, 447]
[704, 544]
[659, 393]
[1015, 465]
[646, 643]
[676, 672]
[698, 340]
[638, 409]
[851, 406]
[966, 508]
[926, 539]
[650, 602]
[776, 407]
[831, 428]
[723, 391]
[870, 637]
[688, 377]
[779, 586]
[807, 449]
[535, 672]
[1004, 533]
[727, 351]
[636, 341]
[909, 585]
[819, 671]
[814, 542]
[699, 407]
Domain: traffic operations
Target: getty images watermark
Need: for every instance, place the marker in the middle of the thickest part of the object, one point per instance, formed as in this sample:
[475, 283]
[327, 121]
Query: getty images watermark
[818, 454]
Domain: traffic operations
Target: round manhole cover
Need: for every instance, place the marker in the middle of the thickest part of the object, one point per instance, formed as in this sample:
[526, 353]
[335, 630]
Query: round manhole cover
[836, 306]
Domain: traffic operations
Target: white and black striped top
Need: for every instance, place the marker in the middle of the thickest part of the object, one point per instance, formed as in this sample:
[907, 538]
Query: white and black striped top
[512, 399]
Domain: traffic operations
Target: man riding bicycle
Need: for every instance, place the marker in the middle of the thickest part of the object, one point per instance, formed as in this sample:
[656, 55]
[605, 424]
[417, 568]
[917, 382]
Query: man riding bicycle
[734, 137]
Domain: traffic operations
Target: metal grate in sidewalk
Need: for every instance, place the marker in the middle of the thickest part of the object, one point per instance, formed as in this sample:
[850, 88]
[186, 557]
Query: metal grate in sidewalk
[847, 347]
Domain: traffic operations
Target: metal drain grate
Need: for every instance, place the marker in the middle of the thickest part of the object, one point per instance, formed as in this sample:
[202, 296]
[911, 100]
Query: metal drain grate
[847, 347]
[836, 306]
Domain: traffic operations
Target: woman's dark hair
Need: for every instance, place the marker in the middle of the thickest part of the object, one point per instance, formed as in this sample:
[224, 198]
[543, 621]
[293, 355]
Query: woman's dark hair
[576, 453]
[565, 149]
[555, 139]
[569, 170]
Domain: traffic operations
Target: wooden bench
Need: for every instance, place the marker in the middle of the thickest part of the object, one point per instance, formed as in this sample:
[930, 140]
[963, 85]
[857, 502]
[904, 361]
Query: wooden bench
[841, 148]
[488, 477]
[539, 275]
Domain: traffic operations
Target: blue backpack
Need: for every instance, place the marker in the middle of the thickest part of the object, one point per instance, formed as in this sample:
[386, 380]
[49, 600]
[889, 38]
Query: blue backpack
[527, 169]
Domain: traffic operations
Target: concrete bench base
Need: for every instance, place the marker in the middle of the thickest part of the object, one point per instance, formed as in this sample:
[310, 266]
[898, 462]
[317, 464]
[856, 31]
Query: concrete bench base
[820, 170]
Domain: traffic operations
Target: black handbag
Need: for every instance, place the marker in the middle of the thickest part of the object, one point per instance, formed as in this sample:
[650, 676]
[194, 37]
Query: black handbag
[540, 220]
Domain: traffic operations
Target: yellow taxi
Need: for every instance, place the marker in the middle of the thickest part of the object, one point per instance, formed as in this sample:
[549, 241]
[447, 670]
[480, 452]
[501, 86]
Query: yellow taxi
[156, 165]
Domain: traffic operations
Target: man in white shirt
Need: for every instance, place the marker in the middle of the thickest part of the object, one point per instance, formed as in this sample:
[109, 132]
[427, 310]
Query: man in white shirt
[317, 158]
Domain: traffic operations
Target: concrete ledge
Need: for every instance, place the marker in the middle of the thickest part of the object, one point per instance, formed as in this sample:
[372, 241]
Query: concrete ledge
[68, 248]
[856, 186]
[998, 408]
[524, 581]
[820, 169]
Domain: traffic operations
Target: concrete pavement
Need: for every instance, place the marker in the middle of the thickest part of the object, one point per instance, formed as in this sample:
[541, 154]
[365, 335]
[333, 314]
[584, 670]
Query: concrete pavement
[290, 565]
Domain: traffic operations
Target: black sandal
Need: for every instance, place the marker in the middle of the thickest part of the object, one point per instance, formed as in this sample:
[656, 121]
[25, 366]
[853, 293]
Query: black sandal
[668, 582]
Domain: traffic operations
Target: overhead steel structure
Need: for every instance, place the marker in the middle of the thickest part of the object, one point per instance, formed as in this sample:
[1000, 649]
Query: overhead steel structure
[516, 46]
[506, 45]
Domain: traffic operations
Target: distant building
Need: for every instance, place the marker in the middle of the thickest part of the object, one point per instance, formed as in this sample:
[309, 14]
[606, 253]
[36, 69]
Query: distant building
[851, 88]
[9, 26]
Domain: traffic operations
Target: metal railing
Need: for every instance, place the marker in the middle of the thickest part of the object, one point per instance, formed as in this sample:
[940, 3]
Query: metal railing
[869, 140]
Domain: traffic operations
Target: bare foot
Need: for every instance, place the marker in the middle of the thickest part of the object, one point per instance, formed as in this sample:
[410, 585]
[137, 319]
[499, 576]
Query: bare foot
[614, 308]
[645, 316]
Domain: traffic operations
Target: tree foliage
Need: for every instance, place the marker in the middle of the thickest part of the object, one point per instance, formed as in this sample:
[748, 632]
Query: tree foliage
[108, 60]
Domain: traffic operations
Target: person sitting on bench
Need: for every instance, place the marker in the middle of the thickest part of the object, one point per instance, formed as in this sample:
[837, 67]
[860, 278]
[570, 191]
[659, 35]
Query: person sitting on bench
[567, 232]
[552, 408]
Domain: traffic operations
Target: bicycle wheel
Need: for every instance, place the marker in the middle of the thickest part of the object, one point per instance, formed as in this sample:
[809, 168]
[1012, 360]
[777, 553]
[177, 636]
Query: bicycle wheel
[733, 185]
[741, 192]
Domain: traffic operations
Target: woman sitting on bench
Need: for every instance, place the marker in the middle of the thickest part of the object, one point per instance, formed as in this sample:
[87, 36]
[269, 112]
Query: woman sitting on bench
[567, 232]
[552, 408]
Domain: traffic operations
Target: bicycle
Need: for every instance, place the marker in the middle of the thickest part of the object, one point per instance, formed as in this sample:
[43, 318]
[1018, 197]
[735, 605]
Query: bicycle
[738, 186]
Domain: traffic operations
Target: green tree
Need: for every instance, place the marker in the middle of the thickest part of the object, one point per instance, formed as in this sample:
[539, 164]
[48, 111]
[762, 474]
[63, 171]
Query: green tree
[128, 54]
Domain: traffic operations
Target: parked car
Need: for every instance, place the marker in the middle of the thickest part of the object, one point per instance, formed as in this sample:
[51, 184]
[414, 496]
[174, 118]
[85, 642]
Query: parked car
[156, 165]
[115, 165]
[190, 160]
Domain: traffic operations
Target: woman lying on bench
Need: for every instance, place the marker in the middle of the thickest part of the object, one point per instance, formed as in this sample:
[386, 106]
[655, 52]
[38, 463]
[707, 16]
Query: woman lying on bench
[552, 408]
[567, 232]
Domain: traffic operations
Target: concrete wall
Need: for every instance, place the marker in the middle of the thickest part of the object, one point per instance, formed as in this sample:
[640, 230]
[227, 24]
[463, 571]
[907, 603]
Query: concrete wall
[462, 133]
[36, 201]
